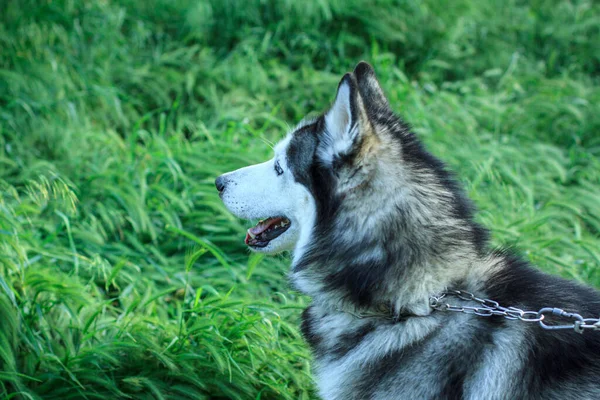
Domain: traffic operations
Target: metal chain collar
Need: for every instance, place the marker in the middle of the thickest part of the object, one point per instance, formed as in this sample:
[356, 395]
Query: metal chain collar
[487, 308]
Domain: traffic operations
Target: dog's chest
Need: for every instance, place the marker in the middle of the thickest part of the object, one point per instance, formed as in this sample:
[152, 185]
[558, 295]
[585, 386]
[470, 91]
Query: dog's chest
[422, 357]
[356, 357]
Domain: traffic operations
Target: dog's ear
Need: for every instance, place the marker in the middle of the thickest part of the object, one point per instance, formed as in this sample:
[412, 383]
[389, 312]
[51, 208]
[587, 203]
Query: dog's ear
[348, 128]
[346, 123]
[370, 89]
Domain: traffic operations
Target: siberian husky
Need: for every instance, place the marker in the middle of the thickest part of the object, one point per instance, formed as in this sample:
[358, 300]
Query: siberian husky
[382, 237]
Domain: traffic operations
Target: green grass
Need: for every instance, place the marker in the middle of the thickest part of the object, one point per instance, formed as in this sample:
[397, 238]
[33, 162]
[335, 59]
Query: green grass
[123, 276]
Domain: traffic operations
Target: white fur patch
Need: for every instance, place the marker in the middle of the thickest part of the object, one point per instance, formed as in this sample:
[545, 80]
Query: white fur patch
[258, 192]
[339, 137]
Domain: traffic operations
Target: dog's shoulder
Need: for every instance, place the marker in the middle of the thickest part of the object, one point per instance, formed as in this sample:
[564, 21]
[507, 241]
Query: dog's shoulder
[455, 354]
[557, 361]
[523, 285]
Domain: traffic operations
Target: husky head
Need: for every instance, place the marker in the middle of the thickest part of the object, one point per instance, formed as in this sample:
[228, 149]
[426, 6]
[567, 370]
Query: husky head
[359, 202]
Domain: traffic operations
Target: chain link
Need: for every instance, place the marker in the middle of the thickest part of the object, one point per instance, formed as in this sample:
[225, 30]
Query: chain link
[488, 308]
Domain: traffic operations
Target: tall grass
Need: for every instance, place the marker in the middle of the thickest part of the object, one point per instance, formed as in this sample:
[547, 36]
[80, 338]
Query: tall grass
[122, 275]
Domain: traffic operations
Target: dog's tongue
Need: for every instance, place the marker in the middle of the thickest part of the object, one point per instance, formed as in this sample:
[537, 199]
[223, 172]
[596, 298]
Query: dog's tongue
[261, 227]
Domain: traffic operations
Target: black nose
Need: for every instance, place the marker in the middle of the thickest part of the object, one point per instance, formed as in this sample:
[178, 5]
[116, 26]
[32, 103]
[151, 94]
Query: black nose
[220, 183]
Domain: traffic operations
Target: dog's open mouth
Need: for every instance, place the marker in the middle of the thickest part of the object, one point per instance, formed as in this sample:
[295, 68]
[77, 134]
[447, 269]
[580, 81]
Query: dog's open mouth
[266, 230]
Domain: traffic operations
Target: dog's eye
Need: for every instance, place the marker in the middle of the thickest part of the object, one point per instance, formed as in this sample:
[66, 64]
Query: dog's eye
[278, 168]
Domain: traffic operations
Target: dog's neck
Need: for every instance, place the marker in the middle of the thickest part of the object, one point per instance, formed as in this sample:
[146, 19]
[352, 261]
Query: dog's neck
[384, 312]
[406, 291]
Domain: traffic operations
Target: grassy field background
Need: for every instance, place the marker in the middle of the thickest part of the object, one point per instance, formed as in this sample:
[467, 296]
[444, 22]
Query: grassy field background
[123, 276]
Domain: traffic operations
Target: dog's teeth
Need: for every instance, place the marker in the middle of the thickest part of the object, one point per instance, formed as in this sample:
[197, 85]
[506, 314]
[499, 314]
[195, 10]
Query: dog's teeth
[252, 235]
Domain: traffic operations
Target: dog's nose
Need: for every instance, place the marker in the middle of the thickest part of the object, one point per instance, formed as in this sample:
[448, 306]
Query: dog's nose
[220, 183]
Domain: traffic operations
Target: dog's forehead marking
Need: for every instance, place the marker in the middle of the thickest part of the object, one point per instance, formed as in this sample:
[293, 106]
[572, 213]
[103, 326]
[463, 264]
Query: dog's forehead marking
[281, 147]
[300, 152]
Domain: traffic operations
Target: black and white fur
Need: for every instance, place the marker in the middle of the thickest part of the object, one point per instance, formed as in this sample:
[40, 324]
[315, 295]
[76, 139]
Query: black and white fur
[377, 223]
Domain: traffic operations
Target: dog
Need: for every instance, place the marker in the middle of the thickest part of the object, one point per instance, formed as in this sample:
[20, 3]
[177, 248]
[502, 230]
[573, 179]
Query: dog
[384, 241]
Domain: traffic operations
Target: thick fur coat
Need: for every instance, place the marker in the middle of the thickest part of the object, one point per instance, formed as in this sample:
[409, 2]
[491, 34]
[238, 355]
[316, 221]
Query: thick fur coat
[376, 226]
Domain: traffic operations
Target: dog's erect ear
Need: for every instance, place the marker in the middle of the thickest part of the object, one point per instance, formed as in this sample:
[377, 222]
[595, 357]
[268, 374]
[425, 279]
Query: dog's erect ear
[370, 90]
[345, 123]
[340, 120]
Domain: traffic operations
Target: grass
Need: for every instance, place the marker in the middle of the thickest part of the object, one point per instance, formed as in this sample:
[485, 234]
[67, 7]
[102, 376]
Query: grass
[122, 275]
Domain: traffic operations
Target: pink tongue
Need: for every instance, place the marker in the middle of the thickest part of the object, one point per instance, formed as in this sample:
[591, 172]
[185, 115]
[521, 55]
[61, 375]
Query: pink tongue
[264, 225]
